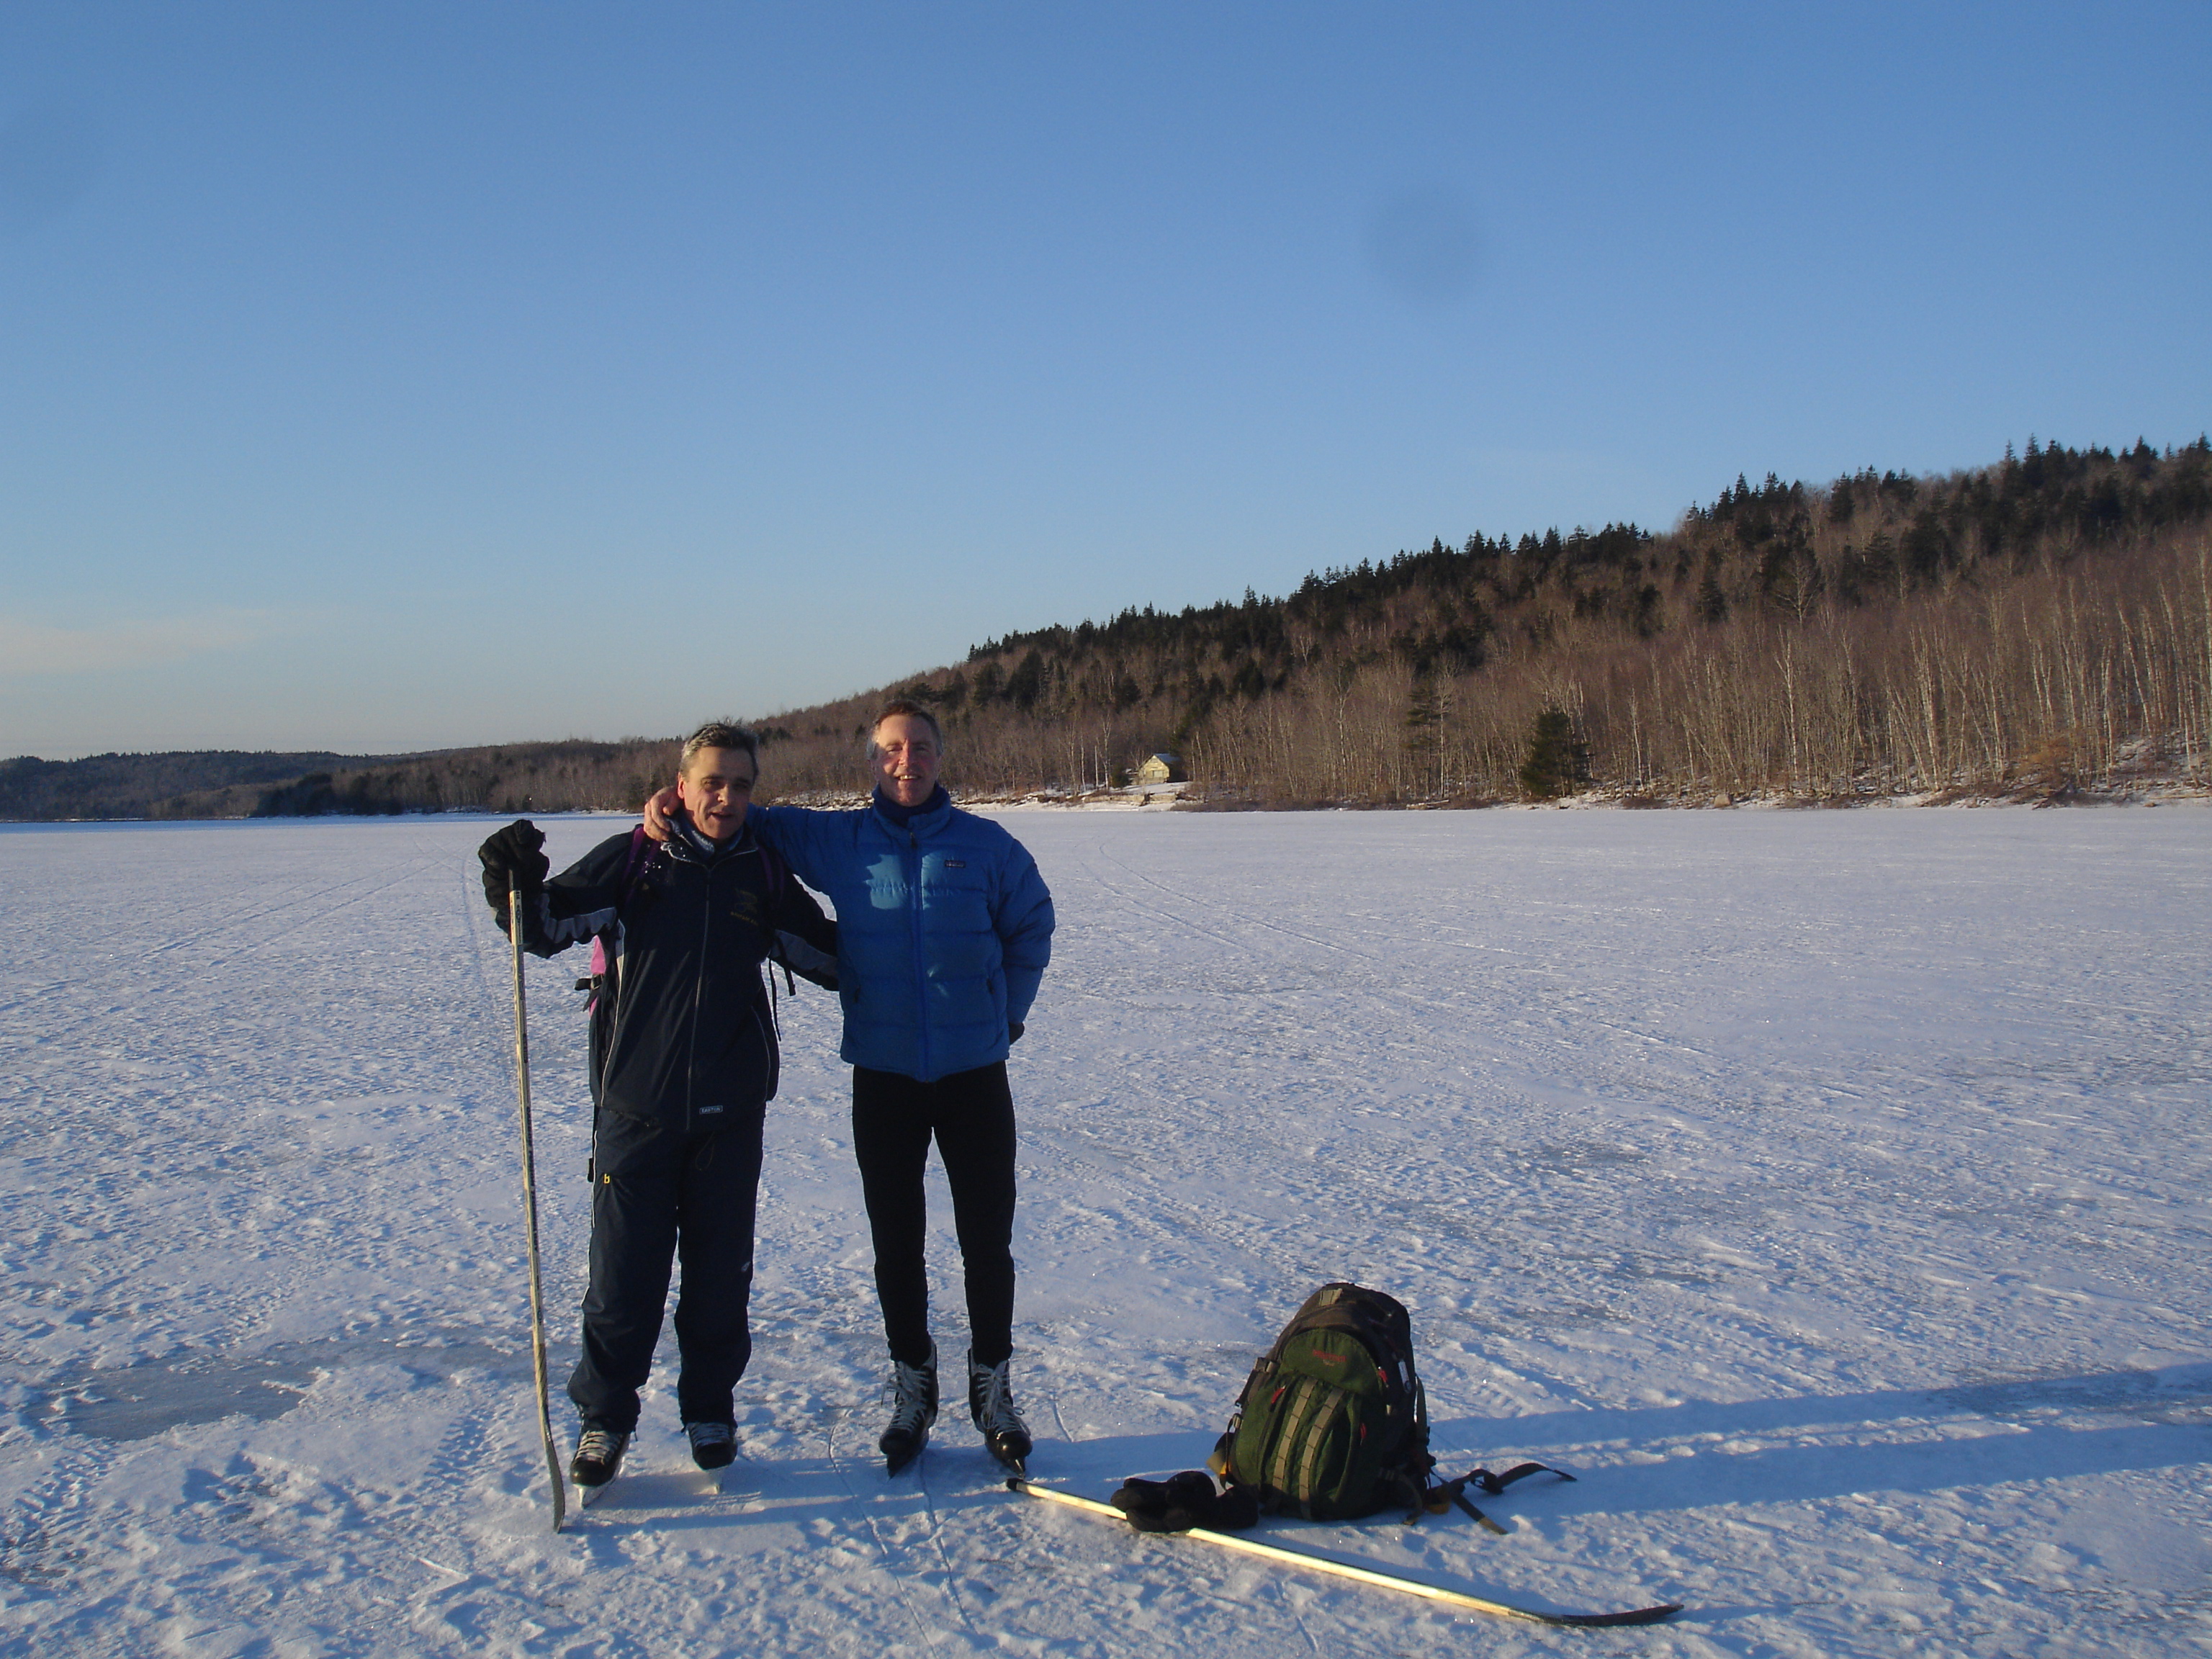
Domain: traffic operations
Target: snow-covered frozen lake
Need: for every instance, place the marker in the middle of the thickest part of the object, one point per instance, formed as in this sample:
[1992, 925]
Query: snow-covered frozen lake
[1829, 1191]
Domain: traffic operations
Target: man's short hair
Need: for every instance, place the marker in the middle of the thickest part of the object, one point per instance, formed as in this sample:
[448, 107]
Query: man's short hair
[906, 706]
[720, 734]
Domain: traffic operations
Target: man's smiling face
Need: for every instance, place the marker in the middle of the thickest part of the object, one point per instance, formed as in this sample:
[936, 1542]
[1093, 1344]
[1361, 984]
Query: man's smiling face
[714, 789]
[907, 759]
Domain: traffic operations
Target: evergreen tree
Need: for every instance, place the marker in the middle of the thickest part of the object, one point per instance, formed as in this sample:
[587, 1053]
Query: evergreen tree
[1026, 682]
[1712, 602]
[1423, 714]
[1559, 761]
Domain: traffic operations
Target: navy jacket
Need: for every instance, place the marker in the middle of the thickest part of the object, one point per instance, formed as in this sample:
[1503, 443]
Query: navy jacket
[692, 1041]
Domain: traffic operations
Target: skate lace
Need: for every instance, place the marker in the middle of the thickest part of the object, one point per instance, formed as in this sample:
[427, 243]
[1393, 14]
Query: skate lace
[914, 1401]
[599, 1445]
[994, 1412]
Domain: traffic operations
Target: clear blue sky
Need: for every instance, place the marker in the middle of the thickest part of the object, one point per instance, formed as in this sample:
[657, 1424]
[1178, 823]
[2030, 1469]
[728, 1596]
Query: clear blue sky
[391, 376]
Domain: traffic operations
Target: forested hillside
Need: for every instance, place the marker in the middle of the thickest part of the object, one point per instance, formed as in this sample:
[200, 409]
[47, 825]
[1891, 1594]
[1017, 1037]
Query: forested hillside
[2040, 626]
[2043, 625]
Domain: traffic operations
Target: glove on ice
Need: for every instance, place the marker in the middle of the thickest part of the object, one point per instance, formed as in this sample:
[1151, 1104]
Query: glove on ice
[1193, 1498]
[512, 854]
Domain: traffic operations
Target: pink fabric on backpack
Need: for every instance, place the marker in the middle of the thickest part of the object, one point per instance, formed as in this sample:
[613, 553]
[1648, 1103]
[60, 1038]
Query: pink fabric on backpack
[598, 966]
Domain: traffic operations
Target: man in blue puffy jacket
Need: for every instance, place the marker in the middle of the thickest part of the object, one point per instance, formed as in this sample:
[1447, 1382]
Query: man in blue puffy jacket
[943, 930]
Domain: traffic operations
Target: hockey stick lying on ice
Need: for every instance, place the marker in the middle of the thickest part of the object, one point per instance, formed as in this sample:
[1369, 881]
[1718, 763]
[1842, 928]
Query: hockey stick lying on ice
[1362, 1575]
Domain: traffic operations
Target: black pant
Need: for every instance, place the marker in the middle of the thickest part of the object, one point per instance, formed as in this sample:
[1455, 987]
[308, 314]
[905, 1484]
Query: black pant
[971, 1115]
[657, 1193]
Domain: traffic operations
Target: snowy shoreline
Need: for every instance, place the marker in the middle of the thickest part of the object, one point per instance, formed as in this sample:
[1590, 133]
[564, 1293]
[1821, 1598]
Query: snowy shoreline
[2175, 794]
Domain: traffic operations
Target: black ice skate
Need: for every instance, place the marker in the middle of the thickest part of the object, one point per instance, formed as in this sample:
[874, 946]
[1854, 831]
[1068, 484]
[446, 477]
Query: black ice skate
[991, 1405]
[914, 1408]
[714, 1445]
[599, 1455]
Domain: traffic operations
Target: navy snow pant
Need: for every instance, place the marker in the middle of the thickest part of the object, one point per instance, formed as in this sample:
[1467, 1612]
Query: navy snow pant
[658, 1194]
[971, 1116]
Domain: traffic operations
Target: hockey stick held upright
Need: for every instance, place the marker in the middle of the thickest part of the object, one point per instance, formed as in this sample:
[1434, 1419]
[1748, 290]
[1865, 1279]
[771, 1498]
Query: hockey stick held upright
[514, 899]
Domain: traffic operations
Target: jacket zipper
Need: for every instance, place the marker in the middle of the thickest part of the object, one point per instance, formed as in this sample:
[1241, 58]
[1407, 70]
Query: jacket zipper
[698, 996]
[920, 978]
[770, 1052]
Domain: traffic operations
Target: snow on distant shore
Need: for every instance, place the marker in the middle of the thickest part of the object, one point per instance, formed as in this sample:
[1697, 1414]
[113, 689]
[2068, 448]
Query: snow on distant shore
[1828, 1190]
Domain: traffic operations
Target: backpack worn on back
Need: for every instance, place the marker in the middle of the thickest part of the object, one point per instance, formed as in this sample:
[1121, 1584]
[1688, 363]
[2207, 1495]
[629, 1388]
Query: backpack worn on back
[606, 964]
[1332, 1424]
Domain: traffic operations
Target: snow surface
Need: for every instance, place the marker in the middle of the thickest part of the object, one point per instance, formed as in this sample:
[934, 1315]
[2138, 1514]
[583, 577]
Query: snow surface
[1829, 1191]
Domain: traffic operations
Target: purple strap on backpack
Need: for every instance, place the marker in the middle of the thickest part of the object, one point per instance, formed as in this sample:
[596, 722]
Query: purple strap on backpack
[641, 854]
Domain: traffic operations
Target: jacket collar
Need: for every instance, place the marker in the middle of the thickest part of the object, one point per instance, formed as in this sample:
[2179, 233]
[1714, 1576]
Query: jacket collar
[688, 845]
[926, 820]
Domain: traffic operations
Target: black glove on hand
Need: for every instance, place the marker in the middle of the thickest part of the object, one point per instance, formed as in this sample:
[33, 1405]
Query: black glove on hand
[512, 858]
[1186, 1500]
[1014, 1029]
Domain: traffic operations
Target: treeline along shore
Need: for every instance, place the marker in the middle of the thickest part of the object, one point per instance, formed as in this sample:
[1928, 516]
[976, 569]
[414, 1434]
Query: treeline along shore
[516, 777]
[2039, 627]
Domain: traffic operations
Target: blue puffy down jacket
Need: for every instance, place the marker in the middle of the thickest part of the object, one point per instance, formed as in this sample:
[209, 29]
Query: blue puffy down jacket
[944, 929]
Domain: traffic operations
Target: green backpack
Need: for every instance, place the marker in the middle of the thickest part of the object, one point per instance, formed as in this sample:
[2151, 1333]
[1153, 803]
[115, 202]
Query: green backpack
[1332, 1424]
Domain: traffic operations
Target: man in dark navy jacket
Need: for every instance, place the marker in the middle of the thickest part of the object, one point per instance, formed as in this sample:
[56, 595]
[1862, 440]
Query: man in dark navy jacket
[685, 1059]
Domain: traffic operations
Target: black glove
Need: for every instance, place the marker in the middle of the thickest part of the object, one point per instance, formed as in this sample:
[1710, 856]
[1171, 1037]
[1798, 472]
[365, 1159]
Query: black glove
[1014, 1029]
[512, 858]
[1183, 1501]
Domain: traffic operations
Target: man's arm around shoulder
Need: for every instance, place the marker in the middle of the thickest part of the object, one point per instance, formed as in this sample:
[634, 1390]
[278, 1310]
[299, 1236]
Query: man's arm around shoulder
[803, 835]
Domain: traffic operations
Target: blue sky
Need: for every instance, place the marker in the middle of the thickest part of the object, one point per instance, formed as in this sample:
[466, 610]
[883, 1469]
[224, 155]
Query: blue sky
[395, 376]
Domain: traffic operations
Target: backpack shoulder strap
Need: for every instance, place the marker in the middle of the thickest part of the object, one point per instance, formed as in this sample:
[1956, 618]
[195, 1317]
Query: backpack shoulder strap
[641, 849]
